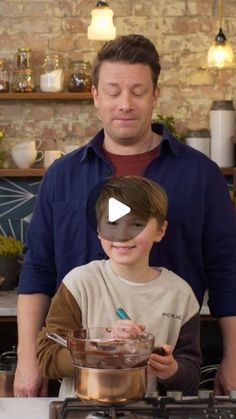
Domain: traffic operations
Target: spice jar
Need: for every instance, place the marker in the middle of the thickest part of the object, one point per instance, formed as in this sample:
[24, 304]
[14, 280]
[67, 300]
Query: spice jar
[52, 74]
[4, 76]
[23, 74]
[23, 80]
[80, 76]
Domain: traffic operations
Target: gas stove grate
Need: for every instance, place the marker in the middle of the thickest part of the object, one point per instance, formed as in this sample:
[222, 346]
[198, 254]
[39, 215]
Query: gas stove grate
[101, 411]
[149, 408]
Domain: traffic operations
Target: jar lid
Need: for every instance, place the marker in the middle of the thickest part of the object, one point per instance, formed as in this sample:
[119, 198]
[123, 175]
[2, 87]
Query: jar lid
[200, 133]
[24, 49]
[222, 104]
[23, 71]
[53, 56]
[80, 64]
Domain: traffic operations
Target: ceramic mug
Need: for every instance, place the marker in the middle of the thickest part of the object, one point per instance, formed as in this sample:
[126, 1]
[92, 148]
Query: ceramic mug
[50, 156]
[25, 157]
[35, 144]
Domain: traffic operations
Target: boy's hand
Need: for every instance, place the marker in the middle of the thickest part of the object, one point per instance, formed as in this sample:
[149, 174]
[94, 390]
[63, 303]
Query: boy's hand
[126, 329]
[163, 366]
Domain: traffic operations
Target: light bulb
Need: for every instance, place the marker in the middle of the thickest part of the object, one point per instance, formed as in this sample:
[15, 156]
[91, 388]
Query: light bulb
[102, 27]
[220, 53]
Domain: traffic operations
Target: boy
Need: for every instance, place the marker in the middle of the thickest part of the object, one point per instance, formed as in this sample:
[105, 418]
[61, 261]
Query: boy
[155, 298]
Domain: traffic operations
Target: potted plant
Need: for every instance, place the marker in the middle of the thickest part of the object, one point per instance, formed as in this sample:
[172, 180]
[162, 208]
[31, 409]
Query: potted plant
[170, 124]
[11, 251]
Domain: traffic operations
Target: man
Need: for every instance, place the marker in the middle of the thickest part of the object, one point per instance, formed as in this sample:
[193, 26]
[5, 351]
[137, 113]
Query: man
[200, 244]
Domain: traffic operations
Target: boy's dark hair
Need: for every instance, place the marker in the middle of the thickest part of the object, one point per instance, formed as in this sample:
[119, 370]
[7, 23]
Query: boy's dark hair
[146, 198]
[133, 49]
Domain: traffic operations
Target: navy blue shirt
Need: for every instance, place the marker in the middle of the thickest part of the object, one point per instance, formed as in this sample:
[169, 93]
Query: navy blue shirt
[200, 241]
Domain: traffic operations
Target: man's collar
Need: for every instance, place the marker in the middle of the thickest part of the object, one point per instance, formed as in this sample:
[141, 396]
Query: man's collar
[168, 140]
[95, 145]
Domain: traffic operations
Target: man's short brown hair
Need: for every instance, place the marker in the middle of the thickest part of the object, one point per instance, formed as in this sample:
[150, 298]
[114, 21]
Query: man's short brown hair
[132, 49]
[146, 198]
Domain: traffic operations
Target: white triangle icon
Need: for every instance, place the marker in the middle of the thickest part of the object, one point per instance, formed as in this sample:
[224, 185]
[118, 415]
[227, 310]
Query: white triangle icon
[116, 209]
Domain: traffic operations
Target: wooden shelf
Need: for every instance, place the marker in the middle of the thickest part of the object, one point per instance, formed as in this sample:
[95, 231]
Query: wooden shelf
[227, 171]
[14, 172]
[46, 96]
[38, 172]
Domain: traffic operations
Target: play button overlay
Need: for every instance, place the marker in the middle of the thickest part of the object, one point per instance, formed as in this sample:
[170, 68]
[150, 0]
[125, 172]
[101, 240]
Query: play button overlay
[118, 221]
[116, 210]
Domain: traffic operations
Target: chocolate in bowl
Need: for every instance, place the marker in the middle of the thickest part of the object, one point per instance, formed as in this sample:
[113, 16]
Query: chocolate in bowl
[95, 348]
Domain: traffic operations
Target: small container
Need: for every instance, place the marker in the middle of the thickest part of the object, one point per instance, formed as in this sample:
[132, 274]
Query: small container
[200, 140]
[8, 361]
[52, 74]
[80, 76]
[222, 127]
[24, 57]
[4, 76]
[23, 80]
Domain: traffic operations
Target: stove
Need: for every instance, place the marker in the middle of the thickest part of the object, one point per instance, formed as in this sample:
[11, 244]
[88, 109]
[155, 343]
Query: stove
[172, 406]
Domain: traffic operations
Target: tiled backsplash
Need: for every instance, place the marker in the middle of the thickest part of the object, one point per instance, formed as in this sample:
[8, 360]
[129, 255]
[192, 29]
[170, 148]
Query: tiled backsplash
[17, 197]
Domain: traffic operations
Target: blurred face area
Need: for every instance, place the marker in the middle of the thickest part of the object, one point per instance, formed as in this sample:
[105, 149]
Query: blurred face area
[125, 98]
[130, 239]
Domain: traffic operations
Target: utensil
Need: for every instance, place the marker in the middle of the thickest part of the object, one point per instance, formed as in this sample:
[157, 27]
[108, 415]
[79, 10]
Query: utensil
[108, 370]
[121, 313]
[96, 348]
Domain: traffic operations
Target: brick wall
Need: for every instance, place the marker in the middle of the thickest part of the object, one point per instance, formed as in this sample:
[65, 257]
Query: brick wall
[182, 30]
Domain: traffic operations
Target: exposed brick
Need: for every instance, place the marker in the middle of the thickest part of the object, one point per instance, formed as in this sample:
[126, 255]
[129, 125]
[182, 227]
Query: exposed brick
[182, 30]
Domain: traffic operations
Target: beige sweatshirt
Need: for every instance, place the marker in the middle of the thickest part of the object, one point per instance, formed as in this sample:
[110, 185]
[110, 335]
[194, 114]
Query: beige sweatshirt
[89, 296]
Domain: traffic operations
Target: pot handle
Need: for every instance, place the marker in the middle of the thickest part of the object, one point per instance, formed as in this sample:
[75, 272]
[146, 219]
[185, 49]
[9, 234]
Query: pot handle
[57, 338]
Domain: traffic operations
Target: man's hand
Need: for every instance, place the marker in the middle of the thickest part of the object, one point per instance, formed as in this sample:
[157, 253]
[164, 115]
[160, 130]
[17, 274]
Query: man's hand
[29, 382]
[225, 378]
[31, 313]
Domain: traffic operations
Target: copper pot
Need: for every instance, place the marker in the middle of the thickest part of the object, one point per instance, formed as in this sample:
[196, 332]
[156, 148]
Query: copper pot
[115, 386]
[108, 369]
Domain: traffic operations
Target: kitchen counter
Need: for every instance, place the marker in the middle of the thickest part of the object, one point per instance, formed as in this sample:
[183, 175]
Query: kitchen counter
[25, 408]
[8, 304]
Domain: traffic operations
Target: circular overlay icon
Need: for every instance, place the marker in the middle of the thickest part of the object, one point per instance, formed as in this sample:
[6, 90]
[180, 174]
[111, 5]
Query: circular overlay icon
[117, 221]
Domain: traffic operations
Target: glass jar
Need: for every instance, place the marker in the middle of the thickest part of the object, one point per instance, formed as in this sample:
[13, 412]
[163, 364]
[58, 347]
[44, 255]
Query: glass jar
[80, 79]
[4, 76]
[23, 57]
[23, 80]
[52, 74]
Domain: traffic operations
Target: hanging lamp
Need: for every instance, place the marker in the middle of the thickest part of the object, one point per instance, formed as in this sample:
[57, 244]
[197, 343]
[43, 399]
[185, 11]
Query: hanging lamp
[220, 54]
[102, 27]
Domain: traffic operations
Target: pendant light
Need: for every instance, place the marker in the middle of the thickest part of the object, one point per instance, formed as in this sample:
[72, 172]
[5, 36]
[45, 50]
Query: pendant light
[220, 54]
[102, 27]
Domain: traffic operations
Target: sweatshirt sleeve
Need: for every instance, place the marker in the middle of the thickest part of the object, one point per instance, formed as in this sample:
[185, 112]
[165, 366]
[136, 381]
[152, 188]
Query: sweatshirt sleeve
[187, 353]
[64, 315]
